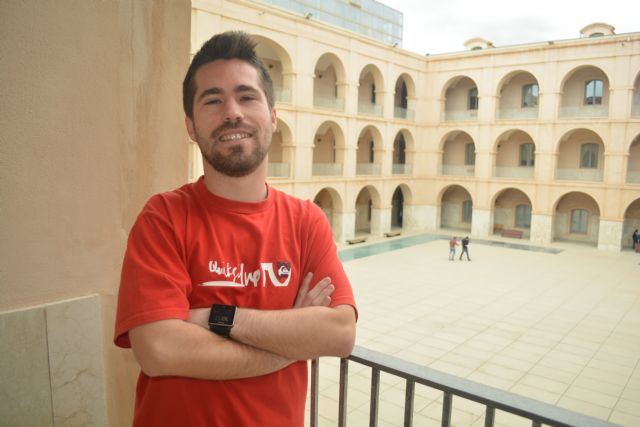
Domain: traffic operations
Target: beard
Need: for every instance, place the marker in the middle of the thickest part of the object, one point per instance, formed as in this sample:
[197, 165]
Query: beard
[238, 160]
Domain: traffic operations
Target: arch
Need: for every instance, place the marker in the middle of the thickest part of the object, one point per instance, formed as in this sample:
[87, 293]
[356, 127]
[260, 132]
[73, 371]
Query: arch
[456, 206]
[368, 151]
[458, 154]
[584, 93]
[453, 82]
[329, 82]
[512, 209]
[580, 156]
[397, 207]
[278, 63]
[328, 150]
[514, 154]
[631, 222]
[329, 201]
[367, 199]
[280, 151]
[635, 97]
[370, 91]
[633, 161]
[518, 96]
[576, 218]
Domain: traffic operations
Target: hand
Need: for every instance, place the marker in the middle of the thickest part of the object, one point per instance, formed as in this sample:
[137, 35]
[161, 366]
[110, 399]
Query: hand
[320, 295]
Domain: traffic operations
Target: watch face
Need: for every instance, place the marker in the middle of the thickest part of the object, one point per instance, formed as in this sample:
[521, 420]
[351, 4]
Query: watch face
[222, 314]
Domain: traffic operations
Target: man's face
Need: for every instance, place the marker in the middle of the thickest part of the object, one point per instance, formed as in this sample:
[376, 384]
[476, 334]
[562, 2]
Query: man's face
[232, 122]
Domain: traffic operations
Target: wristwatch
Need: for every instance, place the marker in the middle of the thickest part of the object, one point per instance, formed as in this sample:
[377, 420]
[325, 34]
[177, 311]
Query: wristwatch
[221, 319]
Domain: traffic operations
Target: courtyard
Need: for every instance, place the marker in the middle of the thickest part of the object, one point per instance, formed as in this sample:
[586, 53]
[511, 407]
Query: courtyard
[560, 324]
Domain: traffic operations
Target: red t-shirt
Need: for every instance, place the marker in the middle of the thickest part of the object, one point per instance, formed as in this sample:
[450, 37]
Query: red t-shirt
[190, 249]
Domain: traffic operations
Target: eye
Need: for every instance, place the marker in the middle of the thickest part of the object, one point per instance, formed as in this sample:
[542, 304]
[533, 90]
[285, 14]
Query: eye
[212, 101]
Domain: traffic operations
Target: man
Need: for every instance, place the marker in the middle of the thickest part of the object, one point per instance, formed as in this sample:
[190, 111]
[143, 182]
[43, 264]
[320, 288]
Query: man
[452, 248]
[231, 254]
[465, 248]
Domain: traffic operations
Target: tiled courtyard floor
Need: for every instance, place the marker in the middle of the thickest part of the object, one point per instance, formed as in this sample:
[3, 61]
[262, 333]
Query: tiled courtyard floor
[561, 328]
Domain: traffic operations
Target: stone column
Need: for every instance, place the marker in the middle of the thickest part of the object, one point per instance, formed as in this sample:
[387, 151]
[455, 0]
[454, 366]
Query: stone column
[610, 235]
[380, 221]
[541, 229]
[481, 222]
[344, 224]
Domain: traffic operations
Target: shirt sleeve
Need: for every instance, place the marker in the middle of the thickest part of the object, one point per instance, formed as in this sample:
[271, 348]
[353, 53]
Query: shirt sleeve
[322, 258]
[154, 283]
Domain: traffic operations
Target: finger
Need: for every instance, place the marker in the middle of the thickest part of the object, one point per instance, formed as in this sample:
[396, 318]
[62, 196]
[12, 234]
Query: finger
[323, 298]
[319, 288]
[304, 289]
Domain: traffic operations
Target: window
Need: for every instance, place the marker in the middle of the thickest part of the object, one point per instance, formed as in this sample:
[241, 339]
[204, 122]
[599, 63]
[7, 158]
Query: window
[473, 99]
[579, 221]
[371, 151]
[527, 152]
[530, 96]
[467, 207]
[593, 92]
[373, 93]
[523, 216]
[589, 156]
[470, 154]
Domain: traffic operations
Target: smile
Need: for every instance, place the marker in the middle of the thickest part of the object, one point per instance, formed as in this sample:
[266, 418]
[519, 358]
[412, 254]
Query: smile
[234, 136]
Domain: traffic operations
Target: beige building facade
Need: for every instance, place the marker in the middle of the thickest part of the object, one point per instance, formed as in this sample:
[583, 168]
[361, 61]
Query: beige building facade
[543, 139]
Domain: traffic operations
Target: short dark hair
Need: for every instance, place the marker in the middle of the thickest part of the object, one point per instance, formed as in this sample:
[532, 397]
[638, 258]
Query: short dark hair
[227, 45]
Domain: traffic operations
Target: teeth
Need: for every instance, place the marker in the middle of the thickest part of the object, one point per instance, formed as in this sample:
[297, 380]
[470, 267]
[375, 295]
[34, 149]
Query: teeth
[234, 137]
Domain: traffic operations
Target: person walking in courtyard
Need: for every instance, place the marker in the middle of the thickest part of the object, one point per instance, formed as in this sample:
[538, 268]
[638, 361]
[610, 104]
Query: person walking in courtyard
[636, 240]
[452, 248]
[465, 248]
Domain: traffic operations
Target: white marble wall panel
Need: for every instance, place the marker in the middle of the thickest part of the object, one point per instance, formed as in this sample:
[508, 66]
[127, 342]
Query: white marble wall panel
[25, 392]
[51, 370]
[75, 357]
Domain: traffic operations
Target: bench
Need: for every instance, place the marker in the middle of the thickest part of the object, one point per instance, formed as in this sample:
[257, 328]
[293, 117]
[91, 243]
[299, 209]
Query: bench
[512, 233]
[392, 233]
[356, 240]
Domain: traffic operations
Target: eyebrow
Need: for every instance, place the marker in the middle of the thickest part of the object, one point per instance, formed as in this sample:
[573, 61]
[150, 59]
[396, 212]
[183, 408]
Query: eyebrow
[218, 91]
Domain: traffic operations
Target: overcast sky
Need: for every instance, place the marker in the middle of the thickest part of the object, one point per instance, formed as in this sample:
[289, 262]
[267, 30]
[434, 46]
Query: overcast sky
[443, 26]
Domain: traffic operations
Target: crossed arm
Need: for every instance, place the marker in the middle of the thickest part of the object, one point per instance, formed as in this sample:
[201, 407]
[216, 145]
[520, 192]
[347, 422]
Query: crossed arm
[263, 341]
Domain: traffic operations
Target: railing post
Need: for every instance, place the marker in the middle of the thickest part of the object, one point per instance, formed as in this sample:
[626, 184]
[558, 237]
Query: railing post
[489, 416]
[446, 409]
[344, 380]
[375, 395]
[314, 393]
[408, 403]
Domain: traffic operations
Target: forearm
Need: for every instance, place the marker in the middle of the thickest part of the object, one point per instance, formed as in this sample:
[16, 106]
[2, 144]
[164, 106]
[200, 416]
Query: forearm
[301, 334]
[178, 348]
[298, 333]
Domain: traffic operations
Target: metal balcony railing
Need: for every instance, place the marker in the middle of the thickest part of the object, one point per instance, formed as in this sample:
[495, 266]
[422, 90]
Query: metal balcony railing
[492, 398]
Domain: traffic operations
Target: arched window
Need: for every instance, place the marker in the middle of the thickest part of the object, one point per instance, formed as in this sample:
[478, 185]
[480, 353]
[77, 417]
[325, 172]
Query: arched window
[467, 208]
[589, 156]
[579, 221]
[523, 216]
[593, 92]
[473, 99]
[530, 95]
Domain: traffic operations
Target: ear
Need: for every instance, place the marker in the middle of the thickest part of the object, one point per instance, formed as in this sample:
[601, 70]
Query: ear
[190, 128]
[274, 118]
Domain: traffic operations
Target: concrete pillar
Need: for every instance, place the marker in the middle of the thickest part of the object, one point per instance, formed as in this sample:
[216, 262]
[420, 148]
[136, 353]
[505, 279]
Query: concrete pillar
[610, 235]
[345, 225]
[541, 229]
[481, 222]
[380, 221]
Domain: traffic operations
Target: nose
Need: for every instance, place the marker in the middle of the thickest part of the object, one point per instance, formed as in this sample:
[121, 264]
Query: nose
[232, 112]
